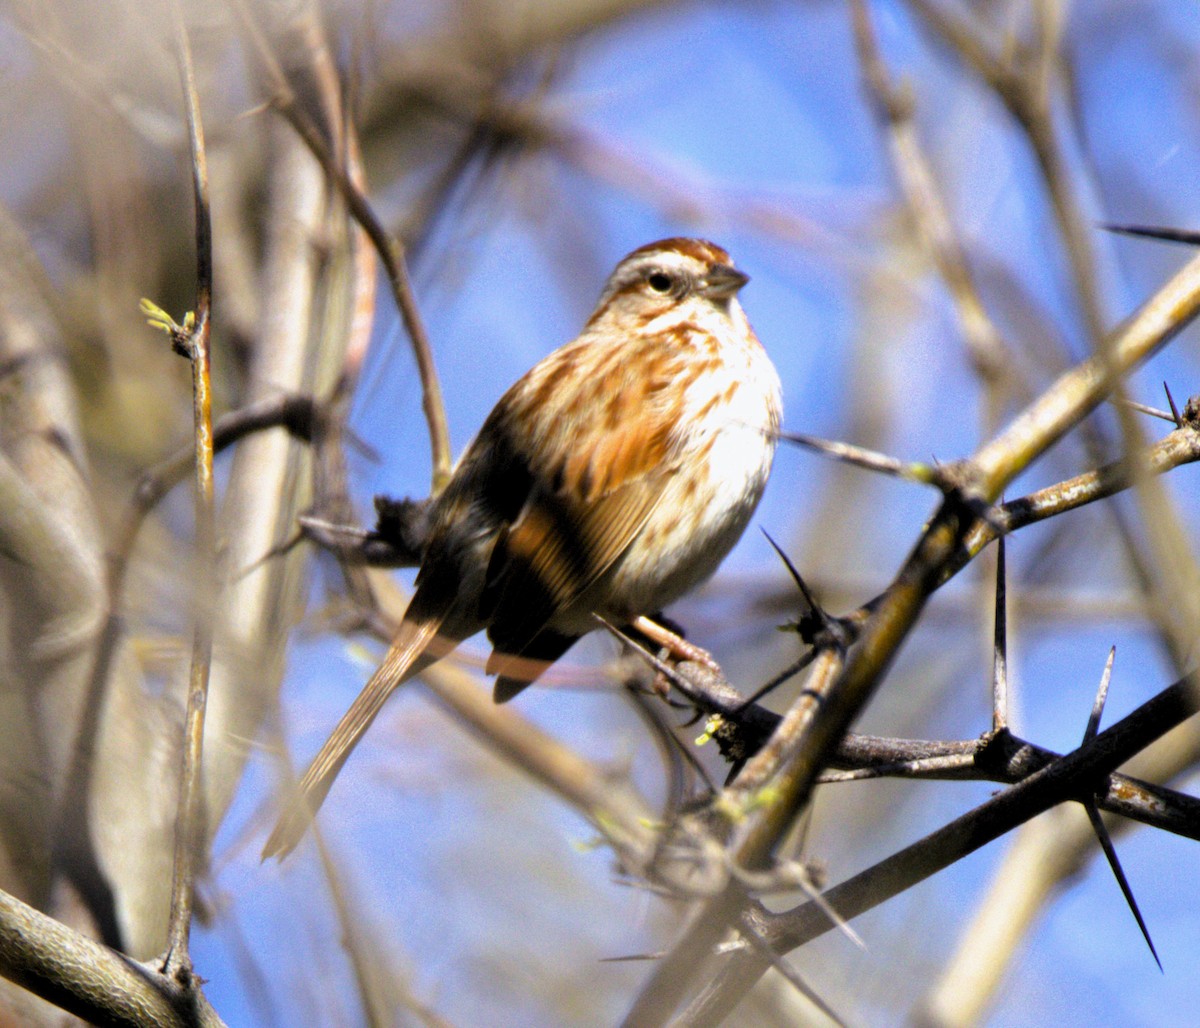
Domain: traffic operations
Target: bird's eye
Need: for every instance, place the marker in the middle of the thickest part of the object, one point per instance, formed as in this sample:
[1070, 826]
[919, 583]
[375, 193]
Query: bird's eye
[659, 281]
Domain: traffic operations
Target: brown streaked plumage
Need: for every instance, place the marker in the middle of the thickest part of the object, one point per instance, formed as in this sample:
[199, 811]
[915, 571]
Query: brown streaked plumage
[613, 477]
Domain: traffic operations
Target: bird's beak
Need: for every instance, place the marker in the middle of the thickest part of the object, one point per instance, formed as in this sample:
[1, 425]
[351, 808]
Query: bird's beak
[722, 282]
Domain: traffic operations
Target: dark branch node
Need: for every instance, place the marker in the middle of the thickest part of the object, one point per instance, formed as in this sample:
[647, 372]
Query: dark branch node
[962, 495]
[1191, 413]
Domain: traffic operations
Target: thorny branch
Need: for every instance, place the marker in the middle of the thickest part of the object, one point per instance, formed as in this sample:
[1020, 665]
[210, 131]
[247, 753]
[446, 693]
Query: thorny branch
[1069, 778]
[804, 742]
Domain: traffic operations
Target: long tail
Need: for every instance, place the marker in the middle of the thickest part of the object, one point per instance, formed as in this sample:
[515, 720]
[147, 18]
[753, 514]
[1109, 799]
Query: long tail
[409, 655]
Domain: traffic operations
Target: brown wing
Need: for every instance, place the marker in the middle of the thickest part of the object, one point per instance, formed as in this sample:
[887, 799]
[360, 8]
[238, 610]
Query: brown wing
[605, 422]
[552, 553]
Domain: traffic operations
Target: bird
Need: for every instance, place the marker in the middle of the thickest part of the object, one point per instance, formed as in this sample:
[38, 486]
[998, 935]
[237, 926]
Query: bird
[608, 481]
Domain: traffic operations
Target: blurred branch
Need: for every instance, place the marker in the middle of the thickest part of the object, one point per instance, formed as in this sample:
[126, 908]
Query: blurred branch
[389, 248]
[610, 804]
[73, 828]
[1022, 78]
[298, 415]
[381, 987]
[1078, 391]
[51, 574]
[465, 95]
[990, 354]
[1180, 447]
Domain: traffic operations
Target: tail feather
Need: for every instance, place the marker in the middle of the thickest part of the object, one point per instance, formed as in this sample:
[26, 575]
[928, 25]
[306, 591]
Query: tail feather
[409, 655]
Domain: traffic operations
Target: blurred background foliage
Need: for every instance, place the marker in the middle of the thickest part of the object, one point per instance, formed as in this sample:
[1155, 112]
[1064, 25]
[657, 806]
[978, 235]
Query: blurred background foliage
[517, 150]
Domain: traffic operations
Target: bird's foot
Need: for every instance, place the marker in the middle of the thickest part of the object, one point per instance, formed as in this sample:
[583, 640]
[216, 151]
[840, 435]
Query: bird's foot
[674, 646]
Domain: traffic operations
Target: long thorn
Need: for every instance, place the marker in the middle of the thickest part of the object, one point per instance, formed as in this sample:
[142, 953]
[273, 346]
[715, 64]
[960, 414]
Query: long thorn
[1110, 852]
[1144, 408]
[798, 579]
[661, 666]
[847, 453]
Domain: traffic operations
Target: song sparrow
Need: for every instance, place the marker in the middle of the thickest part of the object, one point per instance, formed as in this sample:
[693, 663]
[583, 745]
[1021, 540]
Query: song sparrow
[610, 479]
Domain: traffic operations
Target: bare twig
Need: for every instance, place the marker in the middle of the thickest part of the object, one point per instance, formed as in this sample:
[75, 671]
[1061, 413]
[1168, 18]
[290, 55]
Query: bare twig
[611, 804]
[858, 456]
[988, 350]
[390, 249]
[189, 827]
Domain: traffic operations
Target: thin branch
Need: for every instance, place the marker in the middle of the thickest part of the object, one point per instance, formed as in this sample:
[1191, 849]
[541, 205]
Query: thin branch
[190, 817]
[988, 350]
[296, 414]
[950, 765]
[858, 456]
[390, 249]
[789, 735]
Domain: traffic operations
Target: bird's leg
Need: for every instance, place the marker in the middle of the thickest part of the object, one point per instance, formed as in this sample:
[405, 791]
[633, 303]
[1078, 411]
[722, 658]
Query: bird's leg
[673, 644]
